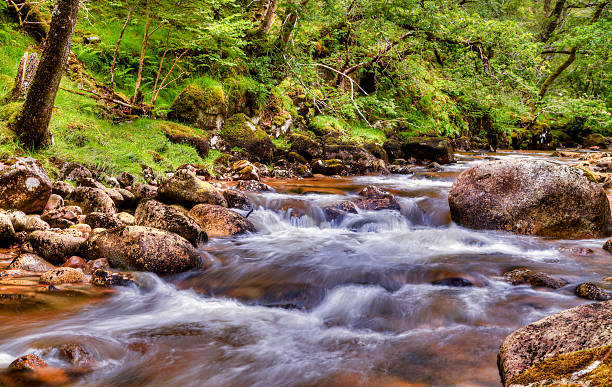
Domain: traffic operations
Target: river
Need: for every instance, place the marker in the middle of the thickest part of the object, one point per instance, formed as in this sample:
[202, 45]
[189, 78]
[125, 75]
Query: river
[305, 302]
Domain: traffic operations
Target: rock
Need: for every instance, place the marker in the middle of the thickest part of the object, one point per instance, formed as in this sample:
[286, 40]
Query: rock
[182, 134]
[185, 188]
[75, 354]
[19, 220]
[63, 275]
[522, 276]
[438, 149]
[108, 278]
[35, 223]
[125, 179]
[75, 262]
[62, 188]
[126, 218]
[93, 200]
[90, 182]
[103, 220]
[83, 228]
[608, 245]
[74, 171]
[328, 167]
[357, 160]
[112, 182]
[238, 200]
[393, 148]
[377, 151]
[143, 249]
[129, 199]
[54, 202]
[93, 265]
[7, 232]
[151, 213]
[595, 139]
[219, 221]
[29, 362]
[375, 199]
[244, 170]
[239, 131]
[24, 185]
[530, 197]
[305, 147]
[63, 217]
[203, 108]
[453, 282]
[561, 336]
[591, 291]
[253, 186]
[335, 212]
[54, 246]
[30, 262]
[115, 196]
[144, 191]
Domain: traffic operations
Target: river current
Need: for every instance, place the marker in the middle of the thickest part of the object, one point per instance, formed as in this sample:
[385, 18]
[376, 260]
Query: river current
[306, 302]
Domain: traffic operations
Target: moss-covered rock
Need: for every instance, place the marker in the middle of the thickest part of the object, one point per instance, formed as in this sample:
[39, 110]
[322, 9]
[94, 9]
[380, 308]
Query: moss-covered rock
[595, 139]
[187, 189]
[182, 134]
[436, 149]
[204, 108]
[328, 167]
[305, 146]
[240, 132]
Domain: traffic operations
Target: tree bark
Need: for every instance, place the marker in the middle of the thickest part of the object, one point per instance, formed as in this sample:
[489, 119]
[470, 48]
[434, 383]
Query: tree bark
[116, 52]
[268, 16]
[25, 74]
[32, 126]
[552, 21]
[143, 51]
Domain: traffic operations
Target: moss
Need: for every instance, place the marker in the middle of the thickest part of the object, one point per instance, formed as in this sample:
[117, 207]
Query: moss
[9, 110]
[240, 131]
[199, 106]
[182, 134]
[586, 173]
[595, 139]
[324, 125]
[563, 366]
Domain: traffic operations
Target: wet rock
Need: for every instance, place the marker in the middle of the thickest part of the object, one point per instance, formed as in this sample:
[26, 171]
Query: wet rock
[30, 262]
[144, 191]
[74, 171]
[109, 278]
[103, 220]
[62, 275]
[240, 131]
[305, 147]
[126, 218]
[328, 167]
[253, 186]
[393, 148]
[375, 199]
[125, 179]
[238, 200]
[19, 220]
[63, 217]
[62, 188]
[187, 189]
[219, 221]
[453, 282]
[7, 232]
[24, 185]
[54, 246]
[35, 223]
[75, 262]
[522, 276]
[357, 160]
[335, 212]
[93, 265]
[591, 291]
[143, 249]
[608, 245]
[29, 362]
[438, 149]
[583, 328]
[93, 200]
[244, 170]
[54, 202]
[151, 213]
[530, 197]
[377, 151]
[75, 354]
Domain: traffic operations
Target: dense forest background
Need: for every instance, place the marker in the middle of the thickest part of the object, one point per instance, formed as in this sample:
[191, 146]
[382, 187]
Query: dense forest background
[484, 73]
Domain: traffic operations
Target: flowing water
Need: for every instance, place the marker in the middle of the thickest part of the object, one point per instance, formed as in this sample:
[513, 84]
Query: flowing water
[305, 302]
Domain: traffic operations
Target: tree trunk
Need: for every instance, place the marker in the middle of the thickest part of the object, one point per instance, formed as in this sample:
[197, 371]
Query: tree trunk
[551, 78]
[552, 21]
[25, 74]
[116, 52]
[32, 126]
[143, 51]
[268, 16]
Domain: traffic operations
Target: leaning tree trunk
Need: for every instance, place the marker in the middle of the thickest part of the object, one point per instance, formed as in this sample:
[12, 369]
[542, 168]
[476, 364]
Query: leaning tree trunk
[32, 127]
[25, 74]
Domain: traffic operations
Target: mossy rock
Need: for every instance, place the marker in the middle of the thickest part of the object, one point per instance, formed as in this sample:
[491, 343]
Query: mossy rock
[239, 131]
[592, 366]
[436, 149]
[322, 126]
[178, 133]
[595, 139]
[305, 146]
[203, 108]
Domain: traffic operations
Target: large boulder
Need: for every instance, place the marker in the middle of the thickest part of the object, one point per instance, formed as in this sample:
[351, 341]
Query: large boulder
[438, 149]
[24, 185]
[186, 188]
[151, 213]
[530, 197]
[240, 132]
[305, 146]
[555, 349]
[219, 221]
[55, 247]
[201, 107]
[143, 249]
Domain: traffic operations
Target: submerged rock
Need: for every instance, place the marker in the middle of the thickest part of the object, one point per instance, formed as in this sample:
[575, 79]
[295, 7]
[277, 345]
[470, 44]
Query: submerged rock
[219, 221]
[151, 213]
[184, 187]
[591, 291]
[24, 185]
[522, 276]
[143, 249]
[530, 197]
[62, 275]
[335, 212]
[54, 246]
[563, 336]
[453, 282]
